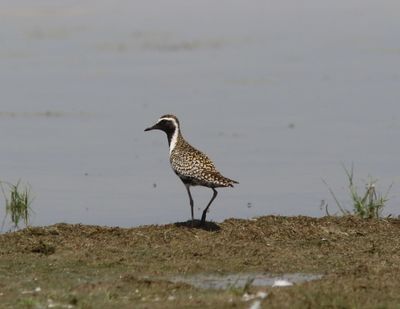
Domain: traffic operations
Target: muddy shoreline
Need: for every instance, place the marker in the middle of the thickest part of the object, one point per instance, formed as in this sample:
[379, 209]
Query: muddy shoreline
[80, 266]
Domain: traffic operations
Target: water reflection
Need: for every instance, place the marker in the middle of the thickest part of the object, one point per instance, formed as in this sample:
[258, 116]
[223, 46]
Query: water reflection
[277, 95]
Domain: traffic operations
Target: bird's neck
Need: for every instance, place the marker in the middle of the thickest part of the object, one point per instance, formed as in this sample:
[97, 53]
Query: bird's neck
[173, 138]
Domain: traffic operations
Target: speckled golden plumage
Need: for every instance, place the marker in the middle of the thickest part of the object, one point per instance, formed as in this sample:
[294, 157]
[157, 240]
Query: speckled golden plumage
[195, 168]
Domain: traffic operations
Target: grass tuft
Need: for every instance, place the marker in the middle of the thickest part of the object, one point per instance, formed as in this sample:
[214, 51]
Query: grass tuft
[239, 291]
[17, 204]
[366, 204]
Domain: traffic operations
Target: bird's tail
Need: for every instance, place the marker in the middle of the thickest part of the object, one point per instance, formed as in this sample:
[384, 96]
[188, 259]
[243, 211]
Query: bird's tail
[231, 182]
[221, 181]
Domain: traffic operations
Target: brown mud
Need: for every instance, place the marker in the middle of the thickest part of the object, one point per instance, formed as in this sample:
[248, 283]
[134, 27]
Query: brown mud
[79, 266]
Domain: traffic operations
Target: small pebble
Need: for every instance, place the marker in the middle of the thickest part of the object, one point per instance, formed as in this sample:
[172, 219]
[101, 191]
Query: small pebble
[281, 283]
[246, 296]
[262, 294]
[256, 304]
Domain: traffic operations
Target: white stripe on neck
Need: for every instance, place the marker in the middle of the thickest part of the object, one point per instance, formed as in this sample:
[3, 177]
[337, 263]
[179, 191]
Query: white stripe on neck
[174, 138]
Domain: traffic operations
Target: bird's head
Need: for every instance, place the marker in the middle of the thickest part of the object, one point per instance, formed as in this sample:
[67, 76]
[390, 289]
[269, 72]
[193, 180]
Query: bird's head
[167, 123]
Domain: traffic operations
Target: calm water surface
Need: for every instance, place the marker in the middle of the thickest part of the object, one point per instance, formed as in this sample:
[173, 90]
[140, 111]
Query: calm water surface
[277, 93]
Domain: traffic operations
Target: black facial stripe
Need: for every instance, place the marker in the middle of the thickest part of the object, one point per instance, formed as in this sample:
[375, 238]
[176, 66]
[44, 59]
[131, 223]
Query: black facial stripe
[168, 126]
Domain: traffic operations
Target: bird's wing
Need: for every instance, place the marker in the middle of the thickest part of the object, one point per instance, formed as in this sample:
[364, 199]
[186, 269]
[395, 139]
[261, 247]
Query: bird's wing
[191, 162]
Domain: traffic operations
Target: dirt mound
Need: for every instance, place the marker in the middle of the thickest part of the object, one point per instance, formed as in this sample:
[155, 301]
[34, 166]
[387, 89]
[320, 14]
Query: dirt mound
[80, 265]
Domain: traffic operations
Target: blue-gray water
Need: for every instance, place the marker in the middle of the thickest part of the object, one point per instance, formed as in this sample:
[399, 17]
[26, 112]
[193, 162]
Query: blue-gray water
[277, 93]
[240, 280]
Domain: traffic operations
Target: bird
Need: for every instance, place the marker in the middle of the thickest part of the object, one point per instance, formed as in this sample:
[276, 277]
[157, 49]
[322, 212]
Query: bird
[192, 166]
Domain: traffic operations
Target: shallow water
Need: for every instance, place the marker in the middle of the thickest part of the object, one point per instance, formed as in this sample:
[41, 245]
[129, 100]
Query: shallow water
[241, 280]
[277, 93]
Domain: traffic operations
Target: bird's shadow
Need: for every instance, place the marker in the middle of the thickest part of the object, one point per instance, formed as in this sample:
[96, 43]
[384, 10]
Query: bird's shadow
[208, 226]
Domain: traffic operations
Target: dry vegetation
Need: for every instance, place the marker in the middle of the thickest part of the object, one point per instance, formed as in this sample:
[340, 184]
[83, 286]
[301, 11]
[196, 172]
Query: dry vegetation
[79, 266]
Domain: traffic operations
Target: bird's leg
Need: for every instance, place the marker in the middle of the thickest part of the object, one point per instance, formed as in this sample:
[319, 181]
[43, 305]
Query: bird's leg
[203, 217]
[191, 202]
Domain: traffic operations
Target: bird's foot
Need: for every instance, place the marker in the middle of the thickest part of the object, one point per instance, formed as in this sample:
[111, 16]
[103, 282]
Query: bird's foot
[203, 220]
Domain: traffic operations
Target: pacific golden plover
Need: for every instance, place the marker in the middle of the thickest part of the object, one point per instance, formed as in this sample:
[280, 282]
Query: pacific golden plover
[192, 166]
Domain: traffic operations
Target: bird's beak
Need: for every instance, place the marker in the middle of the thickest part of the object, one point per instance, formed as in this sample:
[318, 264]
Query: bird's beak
[150, 128]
